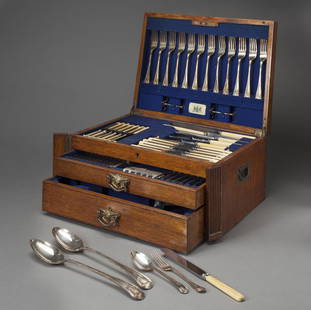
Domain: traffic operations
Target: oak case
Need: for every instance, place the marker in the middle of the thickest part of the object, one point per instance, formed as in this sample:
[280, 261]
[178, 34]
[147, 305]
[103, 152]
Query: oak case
[233, 186]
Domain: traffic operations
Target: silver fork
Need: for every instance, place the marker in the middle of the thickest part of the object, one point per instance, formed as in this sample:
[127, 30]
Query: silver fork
[252, 54]
[241, 55]
[162, 47]
[153, 46]
[210, 52]
[171, 48]
[221, 52]
[181, 48]
[161, 263]
[263, 58]
[190, 50]
[200, 51]
[231, 53]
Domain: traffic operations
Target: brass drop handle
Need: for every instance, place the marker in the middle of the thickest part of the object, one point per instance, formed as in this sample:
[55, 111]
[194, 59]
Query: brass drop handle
[118, 182]
[108, 217]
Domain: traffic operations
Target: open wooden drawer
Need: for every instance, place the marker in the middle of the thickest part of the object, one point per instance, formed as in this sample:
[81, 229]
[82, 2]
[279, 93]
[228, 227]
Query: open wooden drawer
[92, 169]
[176, 227]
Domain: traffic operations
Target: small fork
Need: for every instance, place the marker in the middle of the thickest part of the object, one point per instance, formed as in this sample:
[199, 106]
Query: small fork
[162, 47]
[153, 46]
[231, 53]
[210, 52]
[181, 48]
[241, 55]
[200, 51]
[190, 50]
[221, 52]
[161, 263]
[171, 48]
[263, 58]
[252, 54]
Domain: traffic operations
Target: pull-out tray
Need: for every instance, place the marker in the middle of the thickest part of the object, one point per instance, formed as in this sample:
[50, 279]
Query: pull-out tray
[177, 229]
[90, 168]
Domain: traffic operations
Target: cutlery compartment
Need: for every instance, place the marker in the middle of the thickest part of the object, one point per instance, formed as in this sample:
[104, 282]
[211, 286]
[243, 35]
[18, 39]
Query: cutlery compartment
[170, 226]
[180, 189]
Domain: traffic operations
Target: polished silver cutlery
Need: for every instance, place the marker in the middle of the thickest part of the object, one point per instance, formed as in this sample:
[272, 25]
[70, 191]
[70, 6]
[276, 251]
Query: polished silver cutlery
[210, 51]
[162, 47]
[252, 54]
[171, 48]
[200, 51]
[52, 255]
[231, 53]
[263, 58]
[143, 262]
[241, 55]
[72, 243]
[153, 46]
[202, 274]
[180, 49]
[190, 50]
[221, 53]
[164, 265]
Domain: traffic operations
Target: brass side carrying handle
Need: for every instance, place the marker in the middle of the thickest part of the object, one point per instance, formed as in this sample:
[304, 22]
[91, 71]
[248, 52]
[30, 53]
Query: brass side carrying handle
[118, 182]
[243, 173]
[108, 217]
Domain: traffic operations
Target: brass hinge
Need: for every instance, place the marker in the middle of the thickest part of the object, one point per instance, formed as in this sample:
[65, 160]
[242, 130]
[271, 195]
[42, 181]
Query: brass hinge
[259, 133]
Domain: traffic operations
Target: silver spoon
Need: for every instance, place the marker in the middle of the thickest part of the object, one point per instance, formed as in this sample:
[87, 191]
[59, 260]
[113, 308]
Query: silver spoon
[52, 255]
[72, 243]
[143, 262]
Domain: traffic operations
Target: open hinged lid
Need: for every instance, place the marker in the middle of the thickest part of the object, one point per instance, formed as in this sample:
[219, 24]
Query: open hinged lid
[168, 86]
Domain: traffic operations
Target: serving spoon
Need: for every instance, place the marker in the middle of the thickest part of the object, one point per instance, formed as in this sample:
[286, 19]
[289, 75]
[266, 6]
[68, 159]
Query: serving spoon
[52, 255]
[72, 243]
[143, 262]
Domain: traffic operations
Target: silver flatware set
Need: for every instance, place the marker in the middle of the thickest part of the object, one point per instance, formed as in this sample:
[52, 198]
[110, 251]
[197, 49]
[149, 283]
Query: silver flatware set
[71, 243]
[205, 46]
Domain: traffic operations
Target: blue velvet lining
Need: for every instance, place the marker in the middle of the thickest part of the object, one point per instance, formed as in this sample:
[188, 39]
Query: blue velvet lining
[156, 128]
[121, 195]
[247, 111]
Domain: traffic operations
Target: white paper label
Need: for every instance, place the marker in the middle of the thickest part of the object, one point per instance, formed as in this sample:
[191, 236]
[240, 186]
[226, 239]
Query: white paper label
[197, 108]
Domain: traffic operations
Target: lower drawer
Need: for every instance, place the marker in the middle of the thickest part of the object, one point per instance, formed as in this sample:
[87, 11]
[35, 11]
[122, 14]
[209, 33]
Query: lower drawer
[85, 203]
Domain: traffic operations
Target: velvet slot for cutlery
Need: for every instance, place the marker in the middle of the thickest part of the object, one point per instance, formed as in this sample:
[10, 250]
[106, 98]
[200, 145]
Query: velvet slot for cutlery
[194, 143]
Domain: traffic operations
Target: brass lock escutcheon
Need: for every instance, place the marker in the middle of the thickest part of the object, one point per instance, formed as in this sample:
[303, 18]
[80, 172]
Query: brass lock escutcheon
[118, 182]
[108, 217]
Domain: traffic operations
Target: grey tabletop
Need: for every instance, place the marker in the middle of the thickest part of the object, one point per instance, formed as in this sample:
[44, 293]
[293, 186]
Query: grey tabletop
[58, 74]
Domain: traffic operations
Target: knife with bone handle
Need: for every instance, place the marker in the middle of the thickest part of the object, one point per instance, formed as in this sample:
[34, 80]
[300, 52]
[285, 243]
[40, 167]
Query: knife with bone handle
[231, 292]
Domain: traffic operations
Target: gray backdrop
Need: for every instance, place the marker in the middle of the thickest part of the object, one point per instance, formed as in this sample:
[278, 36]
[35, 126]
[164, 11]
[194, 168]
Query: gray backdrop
[66, 65]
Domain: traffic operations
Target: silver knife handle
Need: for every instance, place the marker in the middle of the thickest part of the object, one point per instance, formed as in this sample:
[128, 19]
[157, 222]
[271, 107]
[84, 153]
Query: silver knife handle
[181, 288]
[198, 288]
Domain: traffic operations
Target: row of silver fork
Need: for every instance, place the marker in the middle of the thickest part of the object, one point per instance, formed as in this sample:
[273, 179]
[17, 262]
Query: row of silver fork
[168, 41]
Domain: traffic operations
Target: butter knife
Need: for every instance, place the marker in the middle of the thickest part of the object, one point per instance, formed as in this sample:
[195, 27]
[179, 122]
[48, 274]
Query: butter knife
[203, 275]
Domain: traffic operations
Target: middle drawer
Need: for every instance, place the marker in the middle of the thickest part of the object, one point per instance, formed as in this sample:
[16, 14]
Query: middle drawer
[111, 173]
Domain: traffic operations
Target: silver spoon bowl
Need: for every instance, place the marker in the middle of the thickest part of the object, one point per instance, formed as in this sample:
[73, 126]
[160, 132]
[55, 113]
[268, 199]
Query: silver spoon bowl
[52, 255]
[72, 243]
[143, 262]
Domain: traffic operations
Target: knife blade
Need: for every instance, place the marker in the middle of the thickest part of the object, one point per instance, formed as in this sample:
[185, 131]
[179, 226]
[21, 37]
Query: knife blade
[203, 275]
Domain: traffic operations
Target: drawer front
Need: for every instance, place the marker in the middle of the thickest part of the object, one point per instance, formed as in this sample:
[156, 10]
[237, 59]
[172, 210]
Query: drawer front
[172, 230]
[185, 196]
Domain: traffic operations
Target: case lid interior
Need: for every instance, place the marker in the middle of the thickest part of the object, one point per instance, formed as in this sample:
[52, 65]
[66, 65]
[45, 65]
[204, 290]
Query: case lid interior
[196, 103]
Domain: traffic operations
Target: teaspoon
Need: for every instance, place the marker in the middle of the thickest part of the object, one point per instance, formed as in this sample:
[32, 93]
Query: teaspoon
[143, 262]
[52, 255]
[72, 243]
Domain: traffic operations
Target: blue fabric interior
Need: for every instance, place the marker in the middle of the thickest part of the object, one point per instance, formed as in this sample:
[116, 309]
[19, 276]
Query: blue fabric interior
[98, 160]
[121, 195]
[156, 128]
[247, 111]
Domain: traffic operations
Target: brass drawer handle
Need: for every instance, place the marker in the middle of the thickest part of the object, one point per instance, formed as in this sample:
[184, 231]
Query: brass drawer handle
[108, 217]
[118, 182]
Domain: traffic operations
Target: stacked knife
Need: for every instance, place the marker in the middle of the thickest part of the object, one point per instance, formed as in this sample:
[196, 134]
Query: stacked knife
[116, 131]
[203, 46]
